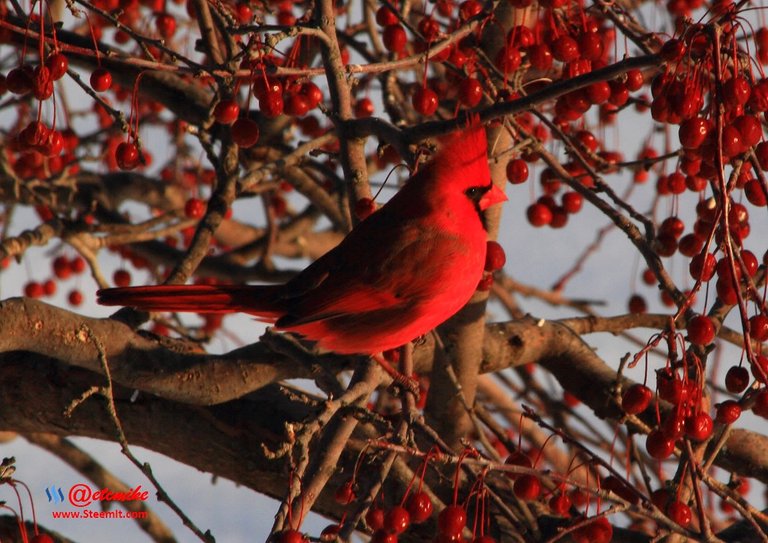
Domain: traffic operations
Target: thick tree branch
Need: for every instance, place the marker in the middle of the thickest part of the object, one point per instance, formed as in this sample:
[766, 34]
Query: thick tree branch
[139, 362]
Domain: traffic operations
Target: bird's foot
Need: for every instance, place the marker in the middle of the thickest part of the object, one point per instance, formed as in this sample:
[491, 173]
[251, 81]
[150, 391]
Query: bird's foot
[401, 380]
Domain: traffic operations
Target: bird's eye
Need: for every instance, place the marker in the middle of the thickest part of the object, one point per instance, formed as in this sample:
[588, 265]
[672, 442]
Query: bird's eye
[475, 193]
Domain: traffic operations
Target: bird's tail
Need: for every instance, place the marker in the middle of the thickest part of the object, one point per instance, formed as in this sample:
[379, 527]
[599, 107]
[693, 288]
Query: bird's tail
[260, 300]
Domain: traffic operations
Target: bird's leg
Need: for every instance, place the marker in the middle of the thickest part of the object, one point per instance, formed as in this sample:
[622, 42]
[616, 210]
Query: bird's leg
[404, 381]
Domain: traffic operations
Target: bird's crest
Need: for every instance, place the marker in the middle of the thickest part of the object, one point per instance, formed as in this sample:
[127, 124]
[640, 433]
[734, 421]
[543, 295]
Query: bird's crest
[463, 154]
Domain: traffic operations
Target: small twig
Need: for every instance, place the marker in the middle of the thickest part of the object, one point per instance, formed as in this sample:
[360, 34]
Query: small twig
[85, 333]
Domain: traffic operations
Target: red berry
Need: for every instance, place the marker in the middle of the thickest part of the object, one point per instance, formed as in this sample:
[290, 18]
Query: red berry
[761, 152]
[244, 13]
[41, 538]
[672, 226]
[470, 91]
[34, 134]
[701, 330]
[699, 426]
[485, 283]
[33, 289]
[374, 518]
[517, 171]
[386, 17]
[736, 91]
[165, 24]
[635, 80]
[702, 266]
[494, 256]
[541, 58]
[598, 92]
[693, 132]
[637, 305]
[468, 9]
[429, 28]
[673, 425]
[736, 379]
[345, 494]
[749, 128]
[226, 111]
[636, 399]
[673, 50]
[19, 79]
[539, 215]
[670, 387]
[560, 504]
[394, 38]
[296, 105]
[578, 497]
[77, 264]
[271, 104]
[61, 267]
[425, 101]
[285, 17]
[728, 412]
[53, 145]
[364, 108]
[127, 155]
[122, 278]
[658, 445]
[311, 93]
[517, 458]
[565, 48]
[57, 64]
[759, 367]
[665, 245]
[49, 287]
[591, 45]
[527, 487]
[749, 260]
[75, 298]
[101, 80]
[620, 488]
[330, 532]
[451, 520]
[572, 202]
[265, 86]
[619, 94]
[419, 507]
[42, 83]
[732, 143]
[660, 498]
[758, 327]
[194, 208]
[596, 531]
[760, 407]
[397, 520]
[680, 513]
[508, 59]
[245, 132]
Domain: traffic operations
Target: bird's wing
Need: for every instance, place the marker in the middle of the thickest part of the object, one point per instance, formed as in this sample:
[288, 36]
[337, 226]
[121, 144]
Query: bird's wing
[379, 275]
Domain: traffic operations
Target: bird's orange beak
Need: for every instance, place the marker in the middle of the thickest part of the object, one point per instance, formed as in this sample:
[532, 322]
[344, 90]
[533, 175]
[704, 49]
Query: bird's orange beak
[493, 196]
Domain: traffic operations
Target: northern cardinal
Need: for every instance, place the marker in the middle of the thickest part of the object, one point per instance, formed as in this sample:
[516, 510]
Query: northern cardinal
[402, 271]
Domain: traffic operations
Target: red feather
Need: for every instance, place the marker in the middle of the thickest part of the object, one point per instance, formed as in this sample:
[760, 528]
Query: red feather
[401, 272]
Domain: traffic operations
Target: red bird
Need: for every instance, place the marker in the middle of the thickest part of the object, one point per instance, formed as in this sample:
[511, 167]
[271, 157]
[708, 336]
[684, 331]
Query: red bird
[398, 274]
